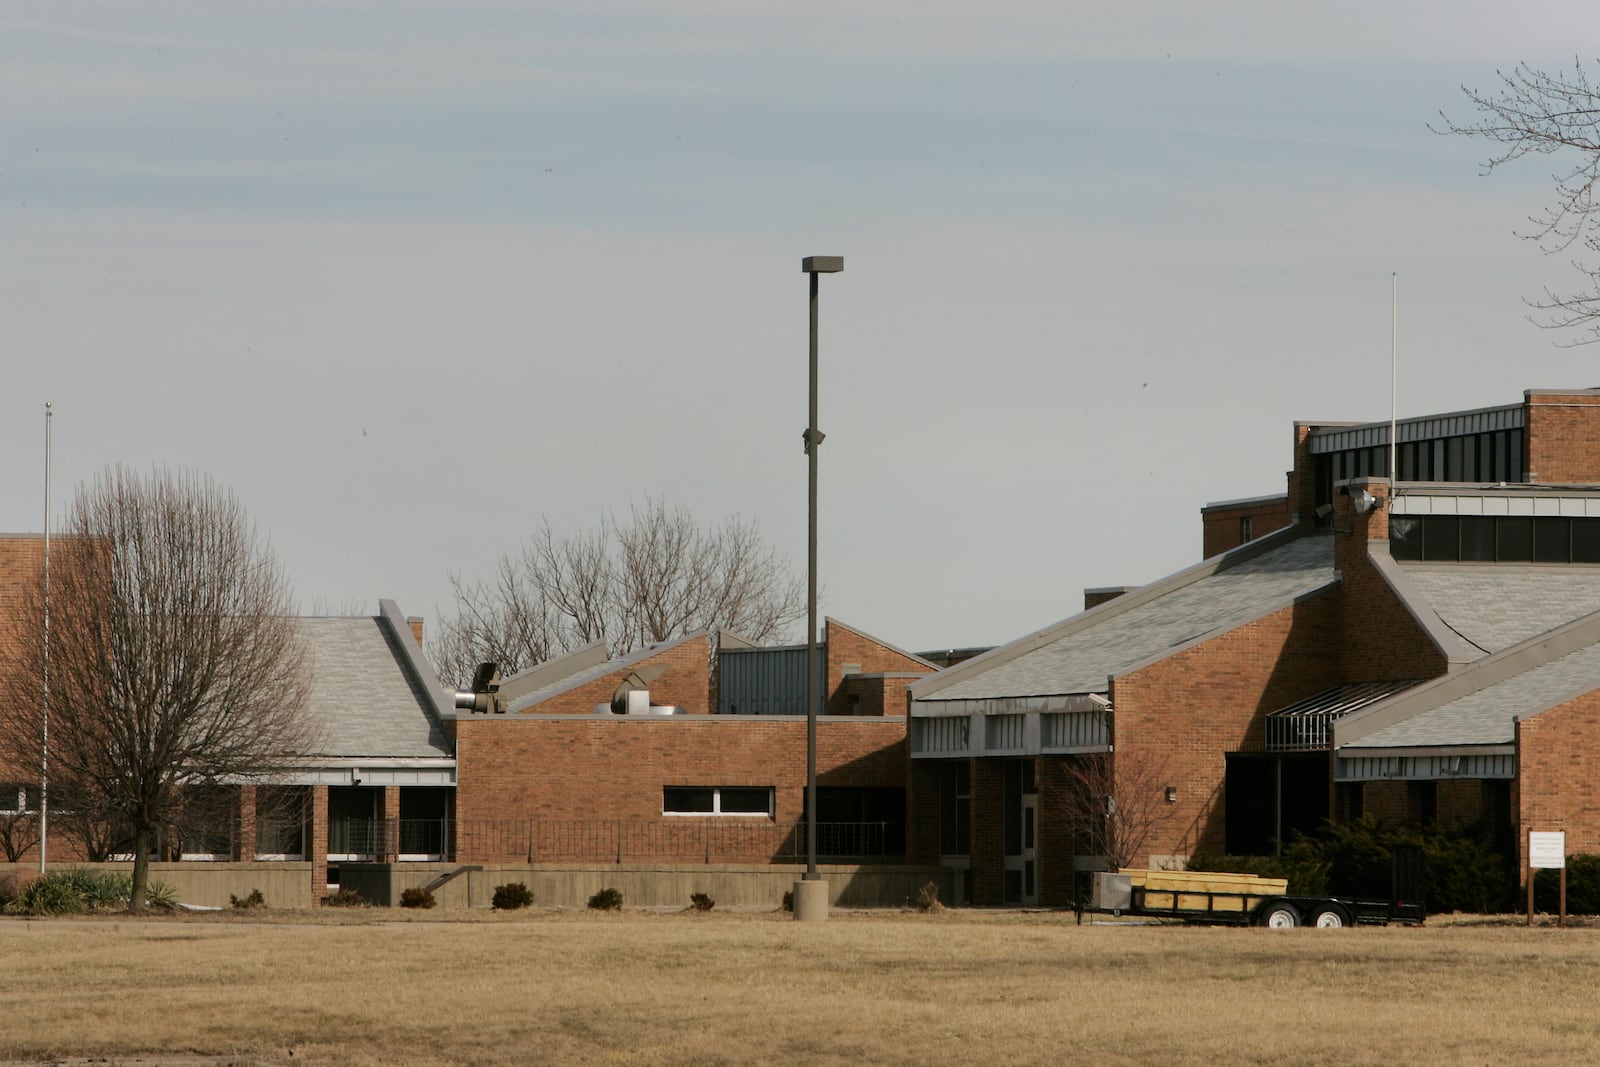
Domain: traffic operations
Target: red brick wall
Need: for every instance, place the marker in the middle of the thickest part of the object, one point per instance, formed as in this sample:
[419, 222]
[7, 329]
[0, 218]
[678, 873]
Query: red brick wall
[1177, 718]
[1378, 641]
[1220, 526]
[1563, 436]
[1056, 800]
[607, 769]
[1558, 773]
[847, 646]
[686, 684]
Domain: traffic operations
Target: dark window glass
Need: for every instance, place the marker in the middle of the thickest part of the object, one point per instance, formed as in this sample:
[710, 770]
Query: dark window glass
[1323, 472]
[743, 801]
[1514, 469]
[1405, 538]
[1586, 540]
[955, 805]
[1477, 538]
[1486, 457]
[1424, 461]
[1502, 470]
[688, 800]
[1441, 537]
[1552, 540]
[1469, 459]
[1515, 539]
[1438, 462]
[1452, 460]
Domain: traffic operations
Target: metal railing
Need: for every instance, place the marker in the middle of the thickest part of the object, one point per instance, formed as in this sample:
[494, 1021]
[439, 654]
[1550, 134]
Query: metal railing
[676, 839]
[383, 838]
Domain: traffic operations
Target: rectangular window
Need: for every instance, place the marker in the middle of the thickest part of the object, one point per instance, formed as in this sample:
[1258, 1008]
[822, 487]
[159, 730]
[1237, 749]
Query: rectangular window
[1515, 535]
[1477, 538]
[955, 807]
[1514, 471]
[1244, 529]
[1441, 538]
[1586, 540]
[1452, 460]
[1405, 537]
[1552, 540]
[1485, 457]
[716, 800]
[1469, 459]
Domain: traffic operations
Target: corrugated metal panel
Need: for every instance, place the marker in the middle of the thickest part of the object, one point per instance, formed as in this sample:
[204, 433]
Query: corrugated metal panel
[1429, 428]
[1074, 729]
[1003, 733]
[1423, 768]
[941, 736]
[1306, 725]
[766, 681]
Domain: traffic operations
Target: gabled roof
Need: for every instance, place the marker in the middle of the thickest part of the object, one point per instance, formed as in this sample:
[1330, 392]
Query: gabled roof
[372, 697]
[830, 623]
[1478, 704]
[1079, 654]
[584, 677]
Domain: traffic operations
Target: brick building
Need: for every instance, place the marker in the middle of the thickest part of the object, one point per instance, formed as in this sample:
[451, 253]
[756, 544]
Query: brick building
[1422, 648]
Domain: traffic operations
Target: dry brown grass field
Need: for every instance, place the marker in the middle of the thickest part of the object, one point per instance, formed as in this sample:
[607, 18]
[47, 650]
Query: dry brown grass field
[960, 987]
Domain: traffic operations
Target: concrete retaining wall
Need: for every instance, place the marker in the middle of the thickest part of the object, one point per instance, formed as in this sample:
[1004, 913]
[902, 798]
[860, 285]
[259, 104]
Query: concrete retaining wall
[282, 884]
[646, 885]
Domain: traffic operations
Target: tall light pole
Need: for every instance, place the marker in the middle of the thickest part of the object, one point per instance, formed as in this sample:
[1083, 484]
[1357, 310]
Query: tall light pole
[811, 892]
[44, 747]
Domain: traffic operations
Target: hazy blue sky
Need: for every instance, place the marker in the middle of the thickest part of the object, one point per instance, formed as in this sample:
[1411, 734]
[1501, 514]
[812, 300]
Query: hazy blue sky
[409, 276]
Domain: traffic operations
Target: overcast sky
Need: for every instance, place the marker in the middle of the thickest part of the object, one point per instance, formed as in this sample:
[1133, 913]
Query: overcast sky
[411, 276]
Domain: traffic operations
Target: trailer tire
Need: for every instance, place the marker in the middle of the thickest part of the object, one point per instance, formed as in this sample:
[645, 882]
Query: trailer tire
[1330, 917]
[1280, 916]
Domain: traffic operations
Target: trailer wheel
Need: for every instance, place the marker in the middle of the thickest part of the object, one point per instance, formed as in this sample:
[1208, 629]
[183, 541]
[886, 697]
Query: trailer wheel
[1329, 917]
[1280, 916]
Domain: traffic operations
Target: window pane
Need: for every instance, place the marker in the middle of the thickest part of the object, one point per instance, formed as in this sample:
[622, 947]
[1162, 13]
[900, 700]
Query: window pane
[1452, 460]
[688, 800]
[1515, 539]
[1501, 469]
[747, 801]
[1586, 540]
[1469, 459]
[1405, 538]
[1441, 538]
[1477, 538]
[1514, 469]
[1486, 457]
[1552, 540]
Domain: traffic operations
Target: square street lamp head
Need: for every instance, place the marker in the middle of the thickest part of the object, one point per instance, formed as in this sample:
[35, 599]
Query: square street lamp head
[822, 264]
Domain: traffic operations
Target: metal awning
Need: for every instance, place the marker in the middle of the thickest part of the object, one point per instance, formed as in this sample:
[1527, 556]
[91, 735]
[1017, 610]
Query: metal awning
[1307, 725]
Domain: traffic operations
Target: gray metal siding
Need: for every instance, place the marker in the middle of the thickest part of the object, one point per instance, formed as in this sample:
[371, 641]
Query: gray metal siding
[766, 681]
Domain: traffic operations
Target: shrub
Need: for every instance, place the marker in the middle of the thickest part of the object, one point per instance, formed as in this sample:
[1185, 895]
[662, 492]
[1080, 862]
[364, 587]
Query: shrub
[49, 894]
[254, 900]
[788, 900]
[160, 895]
[416, 897]
[701, 902]
[927, 898]
[606, 900]
[511, 896]
[1354, 859]
[344, 898]
[1583, 887]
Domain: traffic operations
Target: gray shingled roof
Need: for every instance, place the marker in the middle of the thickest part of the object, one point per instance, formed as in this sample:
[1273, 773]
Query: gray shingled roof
[364, 702]
[1495, 606]
[538, 696]
[1081, 660]
[1484, 717]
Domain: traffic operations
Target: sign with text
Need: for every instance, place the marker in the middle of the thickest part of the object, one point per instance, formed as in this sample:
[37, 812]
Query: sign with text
[1547, 850]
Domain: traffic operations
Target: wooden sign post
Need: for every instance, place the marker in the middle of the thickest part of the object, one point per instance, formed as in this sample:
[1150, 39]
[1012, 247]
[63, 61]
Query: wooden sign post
[1547, 850]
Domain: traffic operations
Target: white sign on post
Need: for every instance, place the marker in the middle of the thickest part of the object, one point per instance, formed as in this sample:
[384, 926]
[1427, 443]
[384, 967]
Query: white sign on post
[1547, 850]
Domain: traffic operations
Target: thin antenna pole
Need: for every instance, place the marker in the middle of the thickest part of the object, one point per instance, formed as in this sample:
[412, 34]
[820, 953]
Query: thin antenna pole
[44, 751]
[1394, 471]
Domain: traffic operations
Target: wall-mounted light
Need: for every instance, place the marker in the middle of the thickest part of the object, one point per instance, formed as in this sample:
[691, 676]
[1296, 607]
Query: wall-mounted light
[1172, 794]
[1364, 502]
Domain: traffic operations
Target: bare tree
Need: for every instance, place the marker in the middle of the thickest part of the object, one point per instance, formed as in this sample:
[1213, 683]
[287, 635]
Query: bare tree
[19, 822]
[1117, 804]
[658, 576]
[1533, 112]
[174, 661]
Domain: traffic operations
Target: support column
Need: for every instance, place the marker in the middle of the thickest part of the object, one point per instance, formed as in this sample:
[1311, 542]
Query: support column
[391, 824]
[317, 843]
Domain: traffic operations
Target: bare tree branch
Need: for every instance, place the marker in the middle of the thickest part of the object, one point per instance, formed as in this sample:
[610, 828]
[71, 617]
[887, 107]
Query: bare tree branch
[1118, 803]
[175, 660]
[655, 577]
[1533, 112]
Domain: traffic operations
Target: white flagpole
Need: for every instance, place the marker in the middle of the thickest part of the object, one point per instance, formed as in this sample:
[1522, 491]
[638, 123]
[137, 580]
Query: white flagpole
[1394, 471]
[44, 756]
